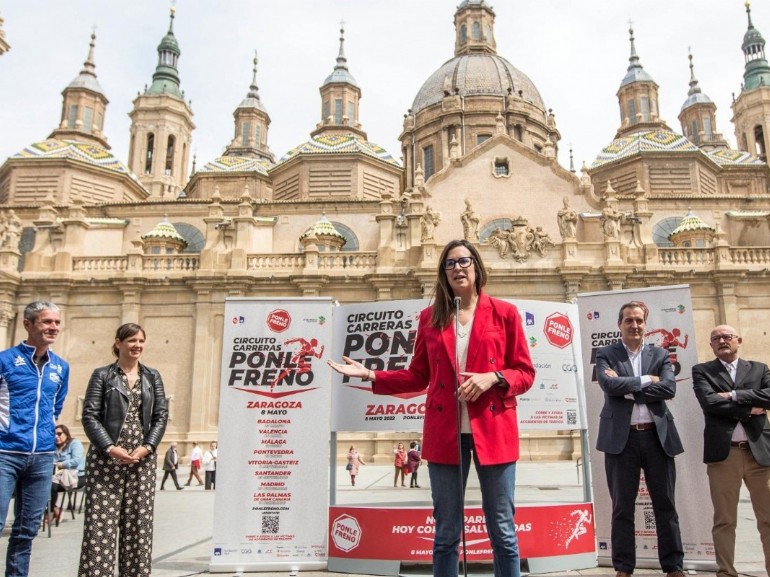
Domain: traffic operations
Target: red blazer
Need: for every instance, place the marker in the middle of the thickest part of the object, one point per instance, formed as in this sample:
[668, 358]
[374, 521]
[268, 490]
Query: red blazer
[497, 343]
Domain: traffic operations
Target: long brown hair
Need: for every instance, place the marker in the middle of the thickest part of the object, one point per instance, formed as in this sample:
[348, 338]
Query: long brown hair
[64, 429]
[443, 295]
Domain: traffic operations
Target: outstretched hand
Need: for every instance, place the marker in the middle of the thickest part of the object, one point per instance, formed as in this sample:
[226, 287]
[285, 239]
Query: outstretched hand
[351, 368]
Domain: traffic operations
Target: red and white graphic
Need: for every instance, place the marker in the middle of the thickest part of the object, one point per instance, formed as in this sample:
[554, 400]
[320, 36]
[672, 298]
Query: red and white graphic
[346, 533]
[278, 320]
[300, 361]
[558, 330]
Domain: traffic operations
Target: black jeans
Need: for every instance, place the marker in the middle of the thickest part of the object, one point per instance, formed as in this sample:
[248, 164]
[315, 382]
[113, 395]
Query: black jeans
[166, 474]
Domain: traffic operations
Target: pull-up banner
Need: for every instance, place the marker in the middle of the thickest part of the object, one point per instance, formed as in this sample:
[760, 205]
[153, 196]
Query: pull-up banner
[271, 504]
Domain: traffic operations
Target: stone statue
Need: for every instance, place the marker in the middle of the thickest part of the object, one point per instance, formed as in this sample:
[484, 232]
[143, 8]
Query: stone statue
[611, 219]
[567, 219]
[12, 230]
[540, 241]
[429, 221]
[470, 221]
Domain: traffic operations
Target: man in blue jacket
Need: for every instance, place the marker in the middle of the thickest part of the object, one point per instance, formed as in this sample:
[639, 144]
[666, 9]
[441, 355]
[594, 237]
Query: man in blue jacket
[33, 384]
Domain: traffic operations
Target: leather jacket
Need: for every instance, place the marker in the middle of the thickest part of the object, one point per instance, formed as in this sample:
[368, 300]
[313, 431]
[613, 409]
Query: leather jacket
[106, 406]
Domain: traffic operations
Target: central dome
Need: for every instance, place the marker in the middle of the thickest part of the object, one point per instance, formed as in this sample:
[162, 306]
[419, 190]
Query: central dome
[475, 75]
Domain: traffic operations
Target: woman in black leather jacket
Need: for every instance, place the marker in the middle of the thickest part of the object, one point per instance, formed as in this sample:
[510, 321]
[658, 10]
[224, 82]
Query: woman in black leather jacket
[124, 417]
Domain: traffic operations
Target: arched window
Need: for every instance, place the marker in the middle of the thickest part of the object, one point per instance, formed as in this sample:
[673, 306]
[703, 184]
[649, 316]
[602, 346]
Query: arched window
[257, 135]
[150, 152]
[463, 34]
[170, 155]
[245, 130]
[351, 240]
[72, 116]
[427, 161]
[663, 228]
[476, 31]
[491, 226]
[193, 236]
[759, 141]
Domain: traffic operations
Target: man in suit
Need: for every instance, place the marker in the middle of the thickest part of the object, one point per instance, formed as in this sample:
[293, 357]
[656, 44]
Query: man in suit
[170, 465]
[637, 432]
[734, 395]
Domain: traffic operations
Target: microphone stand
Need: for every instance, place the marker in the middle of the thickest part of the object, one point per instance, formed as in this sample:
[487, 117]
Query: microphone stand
[458, 412]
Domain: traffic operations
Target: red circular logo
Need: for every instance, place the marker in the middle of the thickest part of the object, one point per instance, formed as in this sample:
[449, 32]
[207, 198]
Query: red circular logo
[278, 320]
[558, 330]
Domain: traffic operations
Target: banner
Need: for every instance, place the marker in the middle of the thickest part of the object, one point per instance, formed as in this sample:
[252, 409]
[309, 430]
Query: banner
[271, 504]
[407, 533]
[382, 335]
[670, 326]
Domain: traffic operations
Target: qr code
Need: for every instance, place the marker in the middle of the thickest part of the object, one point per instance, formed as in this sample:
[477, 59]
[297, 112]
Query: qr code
[649, 520]
[571, 417]
[270, 523]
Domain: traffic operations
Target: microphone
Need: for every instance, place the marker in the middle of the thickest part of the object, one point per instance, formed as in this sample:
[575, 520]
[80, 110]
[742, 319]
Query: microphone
[458, 414]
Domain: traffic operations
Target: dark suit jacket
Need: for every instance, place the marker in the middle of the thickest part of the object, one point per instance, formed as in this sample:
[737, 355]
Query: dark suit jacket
[615, 418]
[169, 463]
[752, 389]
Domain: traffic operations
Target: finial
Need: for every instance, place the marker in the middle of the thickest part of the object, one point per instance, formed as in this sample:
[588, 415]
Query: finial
[173, 14]
[253, 89]
[88, 66]
[342, 62]
[694, 88]
[571, 160]
[748, 13]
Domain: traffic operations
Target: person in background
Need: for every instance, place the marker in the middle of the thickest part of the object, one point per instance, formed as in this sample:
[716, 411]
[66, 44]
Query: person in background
[413, 463]
[637, 433]
[734, 394]
[196, 460]
[210, 466]
[170, 465]
[354, 461]
[124, 416]
[70, 455]
[464, 318]
[399, 462]
[33, 385]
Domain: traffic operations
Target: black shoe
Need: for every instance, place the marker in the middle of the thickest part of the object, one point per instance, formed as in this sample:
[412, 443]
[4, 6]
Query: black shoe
[162, 489]
[179, 488]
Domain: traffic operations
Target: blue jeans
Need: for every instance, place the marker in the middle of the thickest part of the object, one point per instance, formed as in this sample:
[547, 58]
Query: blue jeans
[497, 488]
[30, 476]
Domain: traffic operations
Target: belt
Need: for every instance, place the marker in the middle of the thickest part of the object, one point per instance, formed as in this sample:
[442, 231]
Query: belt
[643, 427]
[740, 445]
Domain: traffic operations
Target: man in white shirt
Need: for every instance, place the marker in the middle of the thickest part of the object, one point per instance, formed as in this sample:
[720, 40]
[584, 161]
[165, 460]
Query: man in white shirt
[734, 395]
[637, 432]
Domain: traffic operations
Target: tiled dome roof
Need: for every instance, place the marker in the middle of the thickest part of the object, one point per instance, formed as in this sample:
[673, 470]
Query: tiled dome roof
[639, 142]
[323, 228]
[690, 223]
[164, 229]
[340, 144]
[88, 153]
[238, 164]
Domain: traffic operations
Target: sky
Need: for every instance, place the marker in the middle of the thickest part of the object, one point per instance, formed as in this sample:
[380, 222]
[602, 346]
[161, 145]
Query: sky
[575, 51]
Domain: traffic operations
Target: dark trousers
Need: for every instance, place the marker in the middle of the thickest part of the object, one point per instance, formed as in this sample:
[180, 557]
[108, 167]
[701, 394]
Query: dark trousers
[643, 452]
[211, 480]
[166, 474]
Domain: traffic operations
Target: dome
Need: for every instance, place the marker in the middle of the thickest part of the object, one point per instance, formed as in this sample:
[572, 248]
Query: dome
[696, 98]
[476, 75]
[164, 230]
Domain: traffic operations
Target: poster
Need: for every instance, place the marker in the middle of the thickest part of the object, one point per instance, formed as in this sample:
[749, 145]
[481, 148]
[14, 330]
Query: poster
[271, 502]
[670, 326]
[382, 335]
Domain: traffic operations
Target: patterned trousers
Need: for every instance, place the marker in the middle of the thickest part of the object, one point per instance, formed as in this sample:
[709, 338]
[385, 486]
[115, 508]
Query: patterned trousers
[120, 501]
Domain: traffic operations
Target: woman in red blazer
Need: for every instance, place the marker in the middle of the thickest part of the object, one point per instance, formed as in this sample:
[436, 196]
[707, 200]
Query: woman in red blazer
[494, 368]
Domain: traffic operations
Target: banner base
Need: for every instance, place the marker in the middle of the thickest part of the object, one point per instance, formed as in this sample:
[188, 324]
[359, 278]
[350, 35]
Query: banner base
[269, 566]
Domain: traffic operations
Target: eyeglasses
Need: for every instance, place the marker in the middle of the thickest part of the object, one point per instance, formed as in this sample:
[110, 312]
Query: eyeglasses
[726, 338]
[463, 261]
[60, 433]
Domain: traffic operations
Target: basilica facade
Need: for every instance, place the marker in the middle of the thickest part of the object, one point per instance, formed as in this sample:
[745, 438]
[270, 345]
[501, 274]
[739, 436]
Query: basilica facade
[160, 240]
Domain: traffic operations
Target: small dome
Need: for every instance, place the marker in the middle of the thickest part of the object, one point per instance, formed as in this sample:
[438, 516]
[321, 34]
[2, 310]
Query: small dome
[636, 74]
[466, 3]
[642, 142]
[696, 98]
[340, 144]
[476, 75]
[164, 230]
[323, 229]
[690, 223]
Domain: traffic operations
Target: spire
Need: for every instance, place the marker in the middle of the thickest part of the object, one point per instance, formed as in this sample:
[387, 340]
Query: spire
[165, 80]
[341, 72]
[635, 71]
[694, 88]
[756, 71]
[253, 89]
[87, 77]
